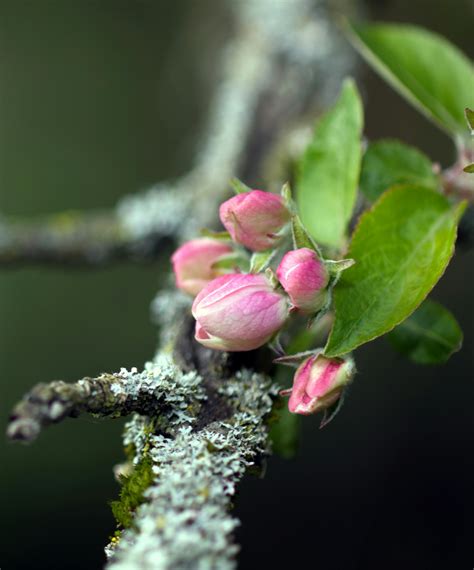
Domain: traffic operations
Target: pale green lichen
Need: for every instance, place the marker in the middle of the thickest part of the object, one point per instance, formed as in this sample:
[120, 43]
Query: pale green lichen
[178, 394]
[185, 521]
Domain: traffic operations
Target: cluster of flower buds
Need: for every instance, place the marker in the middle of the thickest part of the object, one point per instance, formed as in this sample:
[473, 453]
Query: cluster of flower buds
[241, 303]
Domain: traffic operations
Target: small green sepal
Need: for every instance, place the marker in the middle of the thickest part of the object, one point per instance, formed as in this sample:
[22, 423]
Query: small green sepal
[335, 267]
[286, 194]
[260, 260]
[274, 344]
[294, 360]
[238, 186]
[331, 412]
[234, 260]
[224, 236]
[301, 237]
[270, 274]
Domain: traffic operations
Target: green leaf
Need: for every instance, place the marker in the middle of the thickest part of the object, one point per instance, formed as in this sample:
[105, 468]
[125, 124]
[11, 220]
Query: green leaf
[424, 67]
[429, 336]
[470, 119]
[388, 163]
[401, 248]
[469, 168]
[328, 173]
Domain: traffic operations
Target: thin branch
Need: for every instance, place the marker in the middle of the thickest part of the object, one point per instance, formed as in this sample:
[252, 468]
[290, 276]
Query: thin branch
[75, 238]
[51, 403]
[161, 389]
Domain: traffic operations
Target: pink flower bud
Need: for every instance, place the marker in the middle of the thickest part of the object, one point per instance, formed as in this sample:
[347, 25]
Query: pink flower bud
[254, 219]
[304, 277]
[318, 383]
[238, 312]
[192, 263]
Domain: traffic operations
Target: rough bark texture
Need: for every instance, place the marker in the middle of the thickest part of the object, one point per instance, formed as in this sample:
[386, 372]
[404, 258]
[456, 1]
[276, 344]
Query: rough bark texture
[201, 416]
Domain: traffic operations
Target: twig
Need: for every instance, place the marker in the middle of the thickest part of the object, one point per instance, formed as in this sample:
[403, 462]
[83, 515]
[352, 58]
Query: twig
[74, 238]
[105, 396]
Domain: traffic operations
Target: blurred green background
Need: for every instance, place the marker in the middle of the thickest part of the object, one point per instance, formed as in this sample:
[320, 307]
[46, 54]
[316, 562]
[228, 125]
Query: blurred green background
[103, 98]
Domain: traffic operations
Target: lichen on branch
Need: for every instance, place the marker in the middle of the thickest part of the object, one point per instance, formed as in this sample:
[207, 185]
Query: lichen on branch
[185, 515]
[160, 389]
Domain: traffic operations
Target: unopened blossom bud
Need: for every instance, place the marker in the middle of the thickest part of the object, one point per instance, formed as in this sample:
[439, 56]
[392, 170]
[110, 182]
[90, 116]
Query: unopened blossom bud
[304, 277]
[254, 219]
[192, 263]
[319, 383]
[238, 312]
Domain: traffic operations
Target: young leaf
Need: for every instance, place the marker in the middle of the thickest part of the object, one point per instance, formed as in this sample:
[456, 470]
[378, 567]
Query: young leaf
[401, 248]
[388, 163]
[429, 336]
[328, 173]
[470, 119]
[469, 168]
[425, 68]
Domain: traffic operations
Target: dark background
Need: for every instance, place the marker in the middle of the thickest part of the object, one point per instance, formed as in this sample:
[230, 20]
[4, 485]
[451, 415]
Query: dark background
[103, 98]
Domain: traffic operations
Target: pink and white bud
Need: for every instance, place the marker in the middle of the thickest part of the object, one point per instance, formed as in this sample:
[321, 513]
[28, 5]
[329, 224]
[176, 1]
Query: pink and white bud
[192, 263]
[238, 312]
[319, 383]
[254, 219]
[304, 277]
